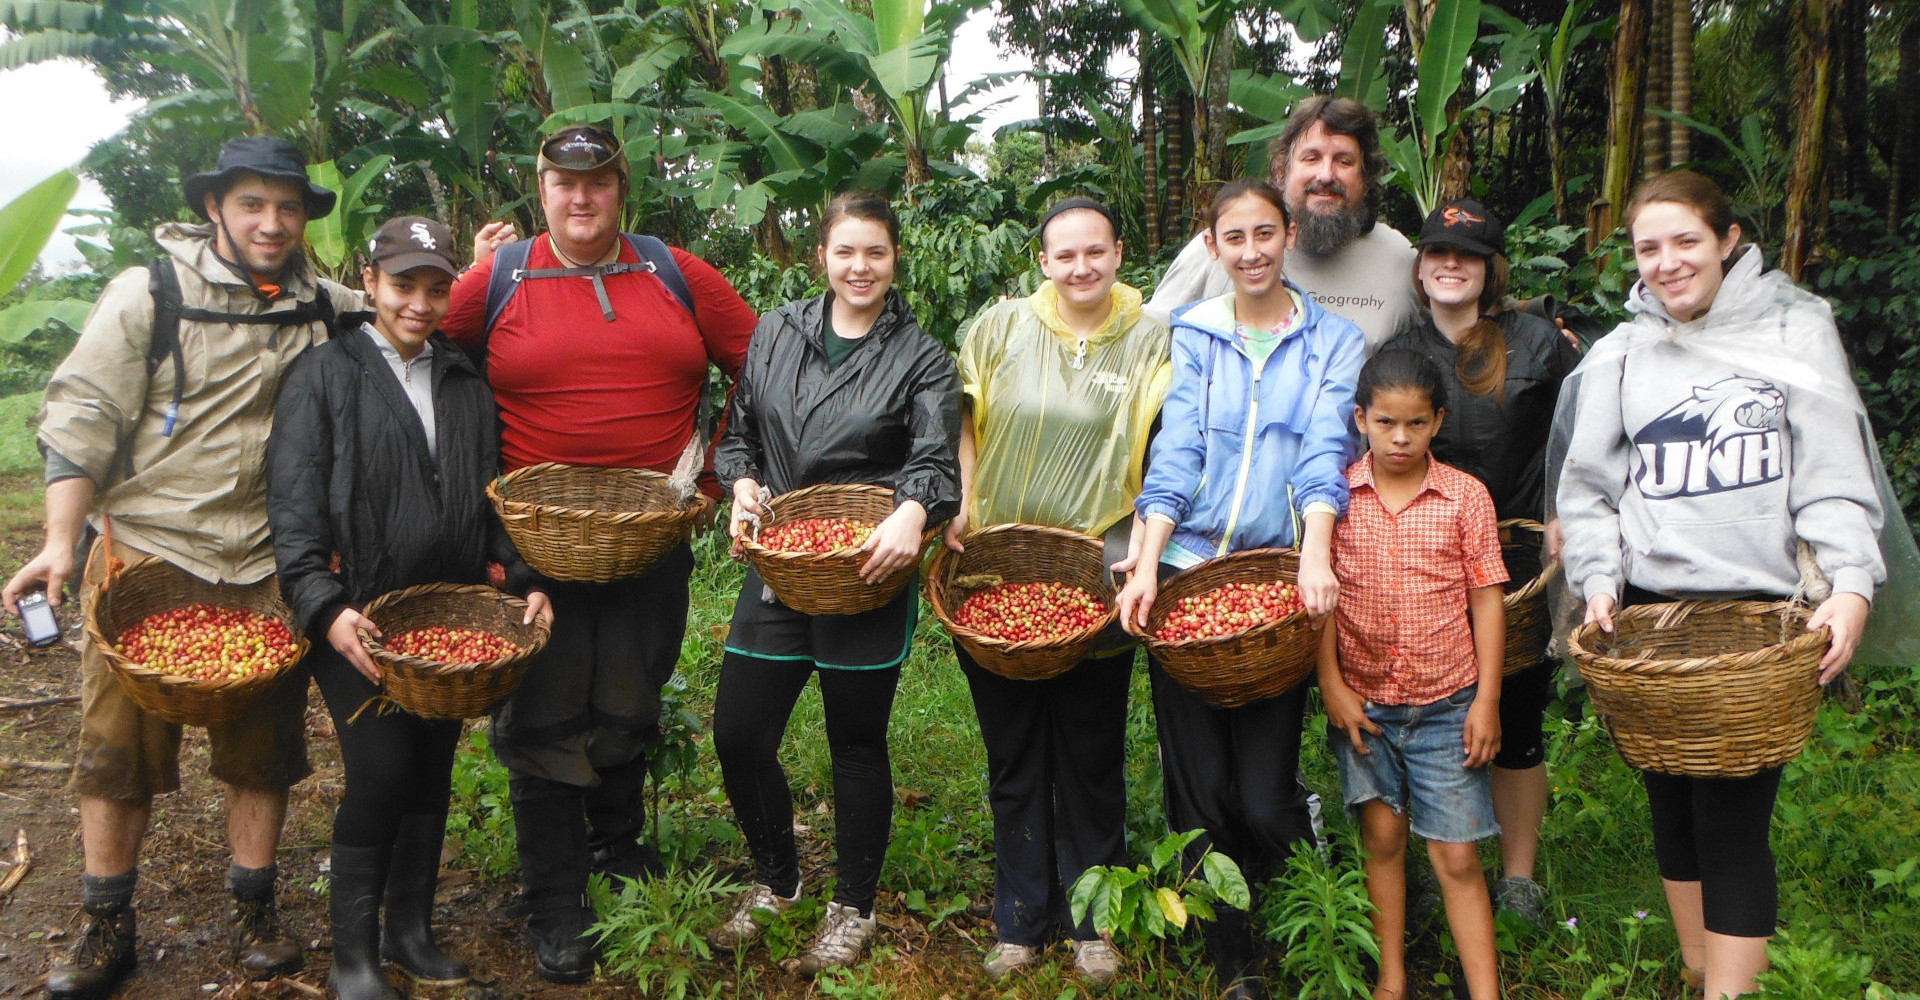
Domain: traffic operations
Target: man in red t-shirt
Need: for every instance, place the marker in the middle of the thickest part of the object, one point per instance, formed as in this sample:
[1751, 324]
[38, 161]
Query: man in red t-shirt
[604, 367]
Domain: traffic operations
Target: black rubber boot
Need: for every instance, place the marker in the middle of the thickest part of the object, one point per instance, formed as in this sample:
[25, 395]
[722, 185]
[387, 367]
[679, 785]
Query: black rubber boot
[617, 823]
[98, 959]
[1235, 961]
[549, 820]
[359, 878]
[406, 938]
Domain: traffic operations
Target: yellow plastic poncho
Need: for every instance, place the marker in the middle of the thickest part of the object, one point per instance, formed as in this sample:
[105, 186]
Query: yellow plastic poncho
[1061, 422]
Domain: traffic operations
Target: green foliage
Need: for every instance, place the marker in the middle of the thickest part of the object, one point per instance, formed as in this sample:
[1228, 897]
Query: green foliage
[27, 222]
[1875, 293]
[480, 811]
[653, 931]
[18, 452]
[1322, 918]
[957, 262]
[1150, 901]
[1808, 967]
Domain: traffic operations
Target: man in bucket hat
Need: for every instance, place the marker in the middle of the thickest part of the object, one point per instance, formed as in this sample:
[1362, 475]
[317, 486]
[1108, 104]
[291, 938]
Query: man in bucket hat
[158, 420]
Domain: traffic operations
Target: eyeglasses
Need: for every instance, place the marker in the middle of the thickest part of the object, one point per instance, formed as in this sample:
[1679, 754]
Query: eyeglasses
[582, 147]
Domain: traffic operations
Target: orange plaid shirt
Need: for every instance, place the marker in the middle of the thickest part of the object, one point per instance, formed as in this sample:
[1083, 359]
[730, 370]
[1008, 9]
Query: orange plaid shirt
[1405, 637]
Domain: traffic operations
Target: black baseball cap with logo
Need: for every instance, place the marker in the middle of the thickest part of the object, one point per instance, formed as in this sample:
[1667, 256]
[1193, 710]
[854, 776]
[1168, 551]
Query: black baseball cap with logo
[412, 241]
[1466, 224]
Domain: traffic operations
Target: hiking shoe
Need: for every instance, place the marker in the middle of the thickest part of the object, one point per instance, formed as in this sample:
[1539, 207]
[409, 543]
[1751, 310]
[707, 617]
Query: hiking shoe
[256, 943]
[98, 959]
[741, 929]
[1522, 897]
[843, 935]
[1097, 961]
[1006, 958]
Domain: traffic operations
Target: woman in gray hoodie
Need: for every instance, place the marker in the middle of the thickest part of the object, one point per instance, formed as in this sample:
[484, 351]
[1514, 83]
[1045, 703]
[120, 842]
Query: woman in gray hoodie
[1704, 441]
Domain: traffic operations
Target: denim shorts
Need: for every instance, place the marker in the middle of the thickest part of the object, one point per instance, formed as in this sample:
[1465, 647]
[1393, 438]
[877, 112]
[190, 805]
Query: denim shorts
[1415, 767]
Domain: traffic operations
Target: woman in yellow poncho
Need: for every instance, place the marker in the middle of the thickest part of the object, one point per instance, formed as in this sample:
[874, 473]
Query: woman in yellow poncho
[1061, 392]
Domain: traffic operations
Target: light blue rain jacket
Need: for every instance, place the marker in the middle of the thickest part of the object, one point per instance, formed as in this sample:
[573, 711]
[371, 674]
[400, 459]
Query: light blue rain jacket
[1240, 453]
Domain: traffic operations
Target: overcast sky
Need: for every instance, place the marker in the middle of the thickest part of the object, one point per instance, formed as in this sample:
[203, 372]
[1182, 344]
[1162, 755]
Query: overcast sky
[53, 112]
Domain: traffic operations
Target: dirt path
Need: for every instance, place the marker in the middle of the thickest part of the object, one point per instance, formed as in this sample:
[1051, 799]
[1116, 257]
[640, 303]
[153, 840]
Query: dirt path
[182, 896]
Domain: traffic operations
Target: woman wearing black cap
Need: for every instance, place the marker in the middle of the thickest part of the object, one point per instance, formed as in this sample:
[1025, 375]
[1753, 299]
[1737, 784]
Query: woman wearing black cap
[381, 452]
[1504, 369]
[1061, 390]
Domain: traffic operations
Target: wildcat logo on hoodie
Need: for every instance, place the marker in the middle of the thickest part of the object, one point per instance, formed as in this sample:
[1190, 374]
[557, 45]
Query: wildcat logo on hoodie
[1726, 437]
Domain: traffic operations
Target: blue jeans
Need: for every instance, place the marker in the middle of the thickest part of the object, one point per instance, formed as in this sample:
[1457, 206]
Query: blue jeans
[1416, 766]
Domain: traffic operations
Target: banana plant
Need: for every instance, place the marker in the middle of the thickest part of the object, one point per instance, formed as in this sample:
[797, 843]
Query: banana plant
[333, 239]
[1548, 49]
[893, 56]
[26, 224]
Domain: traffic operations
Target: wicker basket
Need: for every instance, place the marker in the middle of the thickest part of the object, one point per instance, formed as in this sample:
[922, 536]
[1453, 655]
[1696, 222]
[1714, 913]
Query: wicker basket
[1529, 618]
[576, 522]
[149, 586]
[1020, 553]
[1722, 689]
[1228, 671]
[452, 690]
[827, 583]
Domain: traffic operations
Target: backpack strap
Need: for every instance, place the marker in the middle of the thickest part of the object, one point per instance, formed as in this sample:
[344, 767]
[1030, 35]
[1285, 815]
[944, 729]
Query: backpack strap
[169, 308]
[163, 284]
[510, 269]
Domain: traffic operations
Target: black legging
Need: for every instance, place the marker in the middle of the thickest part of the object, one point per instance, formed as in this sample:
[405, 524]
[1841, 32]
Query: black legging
[1714, 831]
[750, 714]
[398, 764]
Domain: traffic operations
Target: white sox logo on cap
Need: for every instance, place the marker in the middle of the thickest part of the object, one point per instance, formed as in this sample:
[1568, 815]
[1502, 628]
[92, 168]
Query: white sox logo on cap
[422, 236]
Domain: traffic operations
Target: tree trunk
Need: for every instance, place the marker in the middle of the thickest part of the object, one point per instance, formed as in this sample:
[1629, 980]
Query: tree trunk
[1680, 85]
[1854, 95]
[1179, 166]
[1219, 81]
[1813, 25]
[1659, 93]
[1149, 146]
[1903, 168]
[1456, 165]
[1625, 96]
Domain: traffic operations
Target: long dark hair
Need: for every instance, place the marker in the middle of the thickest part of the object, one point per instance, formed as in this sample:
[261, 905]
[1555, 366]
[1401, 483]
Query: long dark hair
[1400, 368]
[1481, 361]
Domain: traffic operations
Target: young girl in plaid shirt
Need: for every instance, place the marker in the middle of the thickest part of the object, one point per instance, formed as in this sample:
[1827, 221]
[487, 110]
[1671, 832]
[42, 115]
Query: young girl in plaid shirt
[1411, 673]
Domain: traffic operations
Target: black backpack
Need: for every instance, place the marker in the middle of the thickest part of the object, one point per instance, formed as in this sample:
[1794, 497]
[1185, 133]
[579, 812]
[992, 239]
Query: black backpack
[169, 308]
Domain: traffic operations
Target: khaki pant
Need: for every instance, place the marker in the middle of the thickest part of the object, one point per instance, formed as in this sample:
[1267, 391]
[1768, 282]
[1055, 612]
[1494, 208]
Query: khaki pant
[130, 756]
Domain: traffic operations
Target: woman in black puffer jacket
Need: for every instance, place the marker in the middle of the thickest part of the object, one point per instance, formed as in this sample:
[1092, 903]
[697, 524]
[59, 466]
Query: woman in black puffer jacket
[1504, 369]
[383, 443]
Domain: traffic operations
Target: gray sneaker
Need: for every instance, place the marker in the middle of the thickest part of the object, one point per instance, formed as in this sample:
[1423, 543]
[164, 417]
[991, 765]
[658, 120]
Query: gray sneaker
[1522, 897]
[1006, 958]
[843, 935]
[1097, 961]
[740, 929]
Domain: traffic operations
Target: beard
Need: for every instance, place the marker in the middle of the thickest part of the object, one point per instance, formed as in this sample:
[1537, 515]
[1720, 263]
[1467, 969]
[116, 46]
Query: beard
[1322, 234]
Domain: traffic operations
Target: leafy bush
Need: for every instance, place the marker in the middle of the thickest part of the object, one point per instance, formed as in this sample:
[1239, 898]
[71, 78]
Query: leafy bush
[1876, 300]
[1148, 901]
[1322, 917]
[652, 931]
[480, 814]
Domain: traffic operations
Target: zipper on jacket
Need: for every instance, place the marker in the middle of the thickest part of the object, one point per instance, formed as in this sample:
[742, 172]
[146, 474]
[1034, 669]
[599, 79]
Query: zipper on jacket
[1246, 459]
[1080, 355]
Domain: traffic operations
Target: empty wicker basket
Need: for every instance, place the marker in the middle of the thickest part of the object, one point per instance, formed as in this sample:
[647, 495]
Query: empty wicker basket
[1261, 662]
[576, 522]
[827, 583]
[149, 586]
[1020, 553]
[452, 690]
[1720, 689]
[1529, 617]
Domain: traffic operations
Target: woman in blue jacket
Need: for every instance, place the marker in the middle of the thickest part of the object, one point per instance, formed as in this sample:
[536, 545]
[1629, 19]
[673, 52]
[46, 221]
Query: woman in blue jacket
[1255, 439]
